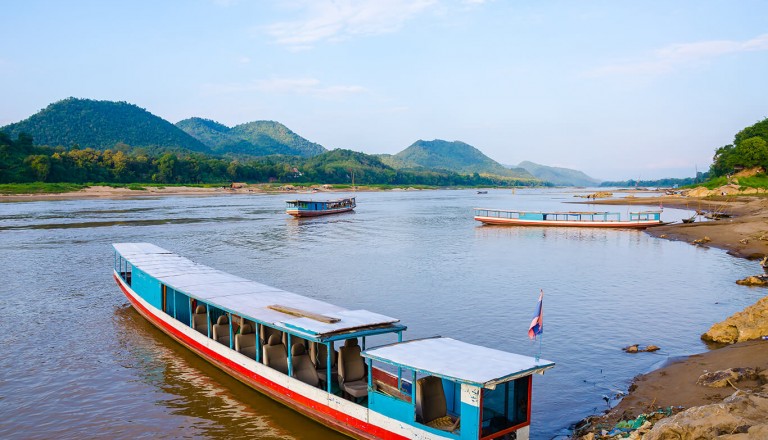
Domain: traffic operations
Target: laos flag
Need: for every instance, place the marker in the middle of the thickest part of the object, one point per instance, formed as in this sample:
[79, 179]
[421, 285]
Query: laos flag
[537, 324]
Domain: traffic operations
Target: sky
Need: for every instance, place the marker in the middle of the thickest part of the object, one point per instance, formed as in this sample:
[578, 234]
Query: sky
[618, 90]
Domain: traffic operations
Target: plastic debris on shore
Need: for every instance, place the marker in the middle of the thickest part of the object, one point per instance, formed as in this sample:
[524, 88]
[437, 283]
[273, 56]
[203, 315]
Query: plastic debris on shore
[632, 428]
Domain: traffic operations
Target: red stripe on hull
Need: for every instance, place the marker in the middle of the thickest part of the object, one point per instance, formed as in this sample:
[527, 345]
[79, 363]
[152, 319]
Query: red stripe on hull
[329, 417]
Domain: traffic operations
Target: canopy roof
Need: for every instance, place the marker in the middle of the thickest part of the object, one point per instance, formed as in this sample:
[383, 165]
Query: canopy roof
[253, 300]
[458, 361]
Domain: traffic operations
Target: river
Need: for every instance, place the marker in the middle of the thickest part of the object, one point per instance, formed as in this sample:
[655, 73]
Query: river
[78, 362]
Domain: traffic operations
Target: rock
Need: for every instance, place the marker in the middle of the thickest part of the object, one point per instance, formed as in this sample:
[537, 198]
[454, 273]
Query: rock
[735, 414]
[717, 379]
[635, 348]
[631, 349]
[757, 280]
[751, 323]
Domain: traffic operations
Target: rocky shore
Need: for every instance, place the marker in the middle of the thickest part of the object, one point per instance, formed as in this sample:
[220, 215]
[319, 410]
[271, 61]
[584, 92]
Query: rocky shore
[720, 394]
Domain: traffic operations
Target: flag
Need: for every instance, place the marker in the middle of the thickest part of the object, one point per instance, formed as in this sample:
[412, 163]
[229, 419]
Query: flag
[537, 323]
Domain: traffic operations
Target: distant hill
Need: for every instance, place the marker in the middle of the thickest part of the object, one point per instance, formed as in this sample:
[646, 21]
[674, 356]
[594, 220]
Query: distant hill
[558, 176]
[453, 156]
[101, 125]
[258, 138]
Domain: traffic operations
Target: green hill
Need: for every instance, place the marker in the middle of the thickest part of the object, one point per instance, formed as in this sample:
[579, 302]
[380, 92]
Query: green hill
[558, 176]
[101, 125]
[453, 156]
[258, 138]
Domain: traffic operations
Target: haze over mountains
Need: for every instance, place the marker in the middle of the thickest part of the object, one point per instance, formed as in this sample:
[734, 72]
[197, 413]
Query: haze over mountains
[102, 125]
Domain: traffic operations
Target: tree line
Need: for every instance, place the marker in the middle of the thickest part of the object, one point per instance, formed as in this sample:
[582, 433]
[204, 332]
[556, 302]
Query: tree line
[21, 161]
[748, 150]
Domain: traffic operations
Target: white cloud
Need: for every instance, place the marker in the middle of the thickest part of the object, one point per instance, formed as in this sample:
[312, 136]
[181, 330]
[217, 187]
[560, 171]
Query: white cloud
[335, 20]
[669, 58]
[295, 86]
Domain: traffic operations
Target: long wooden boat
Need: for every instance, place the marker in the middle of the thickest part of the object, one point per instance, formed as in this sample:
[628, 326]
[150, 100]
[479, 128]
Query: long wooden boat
[592, 219]
[313, 208]
[434, 388]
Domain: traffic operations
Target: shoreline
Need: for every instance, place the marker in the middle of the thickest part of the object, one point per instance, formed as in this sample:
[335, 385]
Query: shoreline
[672, 388]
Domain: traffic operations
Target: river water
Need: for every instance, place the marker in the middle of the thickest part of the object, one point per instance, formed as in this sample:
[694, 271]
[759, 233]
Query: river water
[78, 362]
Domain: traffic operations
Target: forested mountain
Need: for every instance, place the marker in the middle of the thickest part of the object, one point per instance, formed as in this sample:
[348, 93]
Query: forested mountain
[558, 176]
[257, 138]
[101, 125]
[454, 156]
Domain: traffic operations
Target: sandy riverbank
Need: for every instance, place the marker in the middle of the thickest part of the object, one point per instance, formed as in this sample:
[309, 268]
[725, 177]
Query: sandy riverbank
[107, 192]
[744, 234]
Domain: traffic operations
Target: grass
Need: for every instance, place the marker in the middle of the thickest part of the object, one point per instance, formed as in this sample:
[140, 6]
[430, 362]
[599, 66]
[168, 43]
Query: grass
[39, 188]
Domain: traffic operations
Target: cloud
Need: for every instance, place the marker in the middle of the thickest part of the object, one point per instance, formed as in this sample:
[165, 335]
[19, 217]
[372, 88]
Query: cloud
[669, 58]
[295, 86]
[336, 20]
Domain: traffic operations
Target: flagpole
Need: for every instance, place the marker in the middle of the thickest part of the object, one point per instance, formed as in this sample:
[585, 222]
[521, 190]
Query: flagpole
[541, 335]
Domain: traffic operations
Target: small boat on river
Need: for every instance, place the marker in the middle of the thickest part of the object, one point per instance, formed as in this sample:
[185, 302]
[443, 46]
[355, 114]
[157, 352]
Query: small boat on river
[312, 356]
[593, 219]
[313, 208]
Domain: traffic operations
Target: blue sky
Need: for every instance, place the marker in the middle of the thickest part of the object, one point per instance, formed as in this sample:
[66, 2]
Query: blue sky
[618, 90]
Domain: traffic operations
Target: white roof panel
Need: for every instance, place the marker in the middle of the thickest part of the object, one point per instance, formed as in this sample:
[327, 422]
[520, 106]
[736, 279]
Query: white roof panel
[459, 361]
[244, 297]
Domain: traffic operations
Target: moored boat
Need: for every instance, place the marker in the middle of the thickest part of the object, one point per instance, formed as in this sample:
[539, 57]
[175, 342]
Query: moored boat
[313, 208]
[594, 219]
[430, 388]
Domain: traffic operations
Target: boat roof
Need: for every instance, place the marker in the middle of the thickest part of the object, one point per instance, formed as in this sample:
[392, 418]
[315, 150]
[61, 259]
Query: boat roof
[254, 300]
[320, 201]
[458, 361]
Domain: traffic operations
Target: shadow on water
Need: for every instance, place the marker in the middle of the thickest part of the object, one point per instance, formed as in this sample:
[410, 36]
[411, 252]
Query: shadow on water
[217, 404]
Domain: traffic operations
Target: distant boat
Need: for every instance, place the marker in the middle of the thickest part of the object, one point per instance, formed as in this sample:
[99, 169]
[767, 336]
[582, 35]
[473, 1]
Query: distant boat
[315, 357]
[313, 208]
[482, 192]
[594, 219]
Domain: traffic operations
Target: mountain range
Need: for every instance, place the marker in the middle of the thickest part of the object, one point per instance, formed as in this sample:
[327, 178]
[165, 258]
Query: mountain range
[102, 125]
[558, 176]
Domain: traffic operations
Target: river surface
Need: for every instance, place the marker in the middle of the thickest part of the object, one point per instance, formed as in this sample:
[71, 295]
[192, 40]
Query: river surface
[78, 362]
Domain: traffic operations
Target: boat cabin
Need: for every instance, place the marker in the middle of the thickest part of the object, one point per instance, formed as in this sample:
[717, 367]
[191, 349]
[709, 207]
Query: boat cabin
[462, 391]
[313, 356]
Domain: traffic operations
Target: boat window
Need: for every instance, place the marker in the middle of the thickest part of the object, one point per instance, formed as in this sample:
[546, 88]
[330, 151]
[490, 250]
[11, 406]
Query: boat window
[123, 269]
[505, 408]
[391, 381]
[436, 404]
[180, 303]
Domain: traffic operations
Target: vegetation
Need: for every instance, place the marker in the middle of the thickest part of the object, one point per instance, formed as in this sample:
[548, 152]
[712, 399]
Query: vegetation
[101, 125]
[749, 149]
[258, 138]
[453, 156]
[659, 183]
[23, 162]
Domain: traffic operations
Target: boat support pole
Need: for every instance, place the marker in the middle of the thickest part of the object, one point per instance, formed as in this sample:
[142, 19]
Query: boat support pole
[231, 338]
[328, 374]
[399, 368]
[290, 358]
[208, 319]
[259, 326]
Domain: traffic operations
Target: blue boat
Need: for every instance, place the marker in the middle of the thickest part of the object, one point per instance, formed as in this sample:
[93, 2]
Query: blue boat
[313, 208]
[312, 356]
